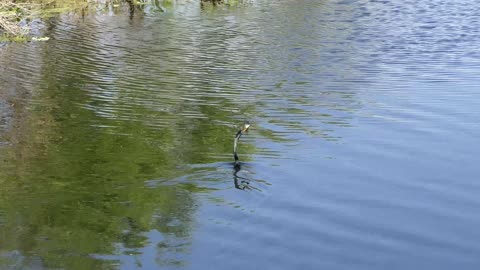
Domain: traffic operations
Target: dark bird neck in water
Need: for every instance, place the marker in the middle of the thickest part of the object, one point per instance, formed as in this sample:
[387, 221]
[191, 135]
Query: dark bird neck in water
[242, 131]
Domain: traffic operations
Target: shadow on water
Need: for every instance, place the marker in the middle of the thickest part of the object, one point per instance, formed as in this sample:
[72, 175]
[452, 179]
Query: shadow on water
[240, 182]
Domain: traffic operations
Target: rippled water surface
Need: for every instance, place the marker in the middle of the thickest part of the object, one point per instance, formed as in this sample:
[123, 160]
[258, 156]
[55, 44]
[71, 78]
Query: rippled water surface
[116, 138]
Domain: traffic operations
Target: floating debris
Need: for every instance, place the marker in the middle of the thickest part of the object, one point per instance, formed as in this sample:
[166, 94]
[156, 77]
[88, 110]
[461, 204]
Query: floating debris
[40, 38]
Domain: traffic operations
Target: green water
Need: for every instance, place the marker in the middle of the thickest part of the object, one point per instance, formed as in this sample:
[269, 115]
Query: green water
[73, 183]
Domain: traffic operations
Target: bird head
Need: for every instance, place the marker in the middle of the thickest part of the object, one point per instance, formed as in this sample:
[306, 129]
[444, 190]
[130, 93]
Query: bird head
[245, 127]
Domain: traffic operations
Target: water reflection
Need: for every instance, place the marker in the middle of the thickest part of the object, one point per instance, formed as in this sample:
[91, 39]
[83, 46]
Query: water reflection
[244, 183]
[239, 182]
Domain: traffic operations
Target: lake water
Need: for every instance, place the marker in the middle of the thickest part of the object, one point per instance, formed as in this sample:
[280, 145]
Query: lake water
[116, 137]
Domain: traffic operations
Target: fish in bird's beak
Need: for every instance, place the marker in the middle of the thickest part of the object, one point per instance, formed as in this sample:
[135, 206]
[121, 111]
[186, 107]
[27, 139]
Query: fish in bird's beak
[245, 128]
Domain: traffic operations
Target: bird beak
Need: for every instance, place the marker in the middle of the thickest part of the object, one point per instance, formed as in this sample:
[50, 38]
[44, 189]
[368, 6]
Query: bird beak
[246, 127]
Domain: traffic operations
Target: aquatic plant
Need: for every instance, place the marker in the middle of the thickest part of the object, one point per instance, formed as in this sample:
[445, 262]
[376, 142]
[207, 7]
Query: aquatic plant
[12, 15]
[17, 16]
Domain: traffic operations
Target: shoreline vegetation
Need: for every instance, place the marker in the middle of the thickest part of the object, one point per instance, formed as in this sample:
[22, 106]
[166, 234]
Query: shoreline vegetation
[17, 17]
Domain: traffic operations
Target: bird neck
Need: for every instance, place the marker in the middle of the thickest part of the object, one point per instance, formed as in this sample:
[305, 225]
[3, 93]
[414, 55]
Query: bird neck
[235, 144]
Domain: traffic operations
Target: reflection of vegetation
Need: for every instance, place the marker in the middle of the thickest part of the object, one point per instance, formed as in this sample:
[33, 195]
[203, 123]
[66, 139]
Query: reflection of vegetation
[83, 146]
[114, 110]
[73, 182]
[85, 186]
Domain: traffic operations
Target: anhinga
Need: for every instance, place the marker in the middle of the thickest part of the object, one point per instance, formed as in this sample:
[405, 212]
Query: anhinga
[242, 131]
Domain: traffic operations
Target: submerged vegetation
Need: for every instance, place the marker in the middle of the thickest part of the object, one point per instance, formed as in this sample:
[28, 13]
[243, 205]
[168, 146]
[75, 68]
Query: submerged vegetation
[12, 16]
[16, 18]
